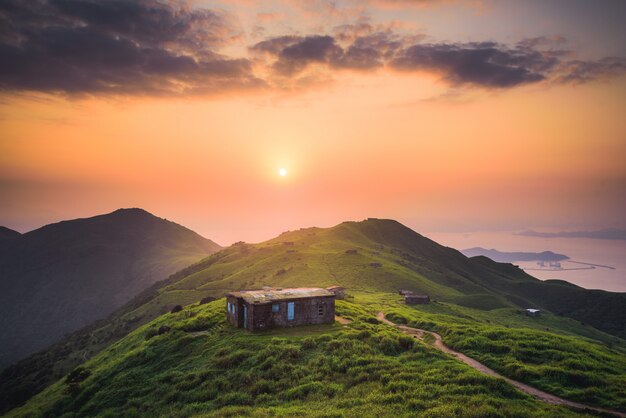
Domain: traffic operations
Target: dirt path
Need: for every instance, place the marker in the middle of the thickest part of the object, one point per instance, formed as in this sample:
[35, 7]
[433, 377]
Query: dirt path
[541, 395]
[342, 321]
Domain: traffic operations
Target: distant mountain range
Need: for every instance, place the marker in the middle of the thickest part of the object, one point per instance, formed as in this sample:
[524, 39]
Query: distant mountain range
[61, 277]
[609, 233]
[512, 257]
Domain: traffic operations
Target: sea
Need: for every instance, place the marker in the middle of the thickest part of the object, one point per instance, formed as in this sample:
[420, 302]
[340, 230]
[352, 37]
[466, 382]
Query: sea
[593, 263]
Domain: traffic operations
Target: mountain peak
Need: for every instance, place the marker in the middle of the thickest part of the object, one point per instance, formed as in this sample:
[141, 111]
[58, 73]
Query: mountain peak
[131, 211]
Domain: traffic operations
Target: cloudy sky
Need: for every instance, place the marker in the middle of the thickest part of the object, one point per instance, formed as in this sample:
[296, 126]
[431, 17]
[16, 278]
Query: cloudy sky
[446, 115]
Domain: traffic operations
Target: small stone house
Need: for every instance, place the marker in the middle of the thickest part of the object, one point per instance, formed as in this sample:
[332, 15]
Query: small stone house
[415, 299]
[257, 310]
[338, 291]
[533, 312]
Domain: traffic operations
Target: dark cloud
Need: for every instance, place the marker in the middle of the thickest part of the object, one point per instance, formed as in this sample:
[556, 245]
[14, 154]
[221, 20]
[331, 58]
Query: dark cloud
[295, 53]
[169, 47]
[583, 71]
[486, 64]
[95, 46]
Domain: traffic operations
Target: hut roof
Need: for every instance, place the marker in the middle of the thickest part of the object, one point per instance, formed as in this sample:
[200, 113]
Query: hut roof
[271, 295]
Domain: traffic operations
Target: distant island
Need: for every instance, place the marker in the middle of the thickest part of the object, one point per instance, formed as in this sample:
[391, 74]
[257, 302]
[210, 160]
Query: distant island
[511, 257]
[609, 233]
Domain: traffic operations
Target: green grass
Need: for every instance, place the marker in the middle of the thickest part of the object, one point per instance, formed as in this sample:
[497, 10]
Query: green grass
[547, 352]
[472, 295]
[362, 369]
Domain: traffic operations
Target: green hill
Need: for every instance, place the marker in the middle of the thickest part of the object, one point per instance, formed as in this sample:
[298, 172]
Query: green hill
[374, 257]
[62, 277]
[191, 363]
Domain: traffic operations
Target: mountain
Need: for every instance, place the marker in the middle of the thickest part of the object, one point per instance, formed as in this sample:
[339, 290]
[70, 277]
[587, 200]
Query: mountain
[62, 277]
[373, 258]
[6, 233]
[511, 257]
[608, 233]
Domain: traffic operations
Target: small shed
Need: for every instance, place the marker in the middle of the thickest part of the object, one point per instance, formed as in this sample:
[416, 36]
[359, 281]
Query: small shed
[257, 310]
[533, 312]
[415, 299]
[338, 291]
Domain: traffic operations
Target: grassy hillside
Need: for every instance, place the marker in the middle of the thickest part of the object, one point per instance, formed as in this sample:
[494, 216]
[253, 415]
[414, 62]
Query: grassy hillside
[61, 277]
[367, 257]
[203, 366]
[551, 353]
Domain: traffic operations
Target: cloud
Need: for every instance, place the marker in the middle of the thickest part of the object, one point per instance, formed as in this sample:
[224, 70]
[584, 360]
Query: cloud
[577, 72]
[114, 46]
[485, 64]
[294, 53]
[155, 47]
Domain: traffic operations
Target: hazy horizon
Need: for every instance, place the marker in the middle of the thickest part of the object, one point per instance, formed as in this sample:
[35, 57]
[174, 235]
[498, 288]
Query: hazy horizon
[444, 115]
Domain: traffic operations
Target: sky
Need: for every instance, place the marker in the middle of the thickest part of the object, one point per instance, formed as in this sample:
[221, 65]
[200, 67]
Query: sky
[446, 115]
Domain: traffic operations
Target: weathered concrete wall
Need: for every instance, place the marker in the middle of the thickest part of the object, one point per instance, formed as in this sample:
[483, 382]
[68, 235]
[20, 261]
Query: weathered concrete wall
[235, 318]
[319, 310]
[416, 300]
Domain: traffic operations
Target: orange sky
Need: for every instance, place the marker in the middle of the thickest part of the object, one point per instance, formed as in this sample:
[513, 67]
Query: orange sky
[385, 143]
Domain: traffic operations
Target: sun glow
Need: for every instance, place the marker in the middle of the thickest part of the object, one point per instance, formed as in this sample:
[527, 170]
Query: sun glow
[282, 172]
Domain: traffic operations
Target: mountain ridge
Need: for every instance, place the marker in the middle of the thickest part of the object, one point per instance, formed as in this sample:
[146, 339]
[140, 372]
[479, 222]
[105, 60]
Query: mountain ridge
[63, 276]
[367, 256]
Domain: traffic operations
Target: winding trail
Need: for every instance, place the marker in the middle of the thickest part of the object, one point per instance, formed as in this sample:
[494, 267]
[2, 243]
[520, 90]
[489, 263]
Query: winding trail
[541, 395]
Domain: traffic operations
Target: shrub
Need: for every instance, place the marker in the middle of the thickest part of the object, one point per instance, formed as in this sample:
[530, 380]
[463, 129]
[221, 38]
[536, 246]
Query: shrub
[74, 378]
[206, 300]
[152, 332]
[406, 342]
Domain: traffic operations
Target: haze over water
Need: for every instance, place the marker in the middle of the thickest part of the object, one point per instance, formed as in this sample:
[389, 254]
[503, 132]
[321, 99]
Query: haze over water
[594, 251]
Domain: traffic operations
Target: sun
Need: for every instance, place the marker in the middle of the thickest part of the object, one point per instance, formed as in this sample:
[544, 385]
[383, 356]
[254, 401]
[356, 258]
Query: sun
[282, 172]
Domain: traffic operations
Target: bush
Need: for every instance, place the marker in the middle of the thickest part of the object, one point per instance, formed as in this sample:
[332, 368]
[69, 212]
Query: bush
[406, 342]
[77, 375]
[206, 300]
[152, 332]
[74, 378]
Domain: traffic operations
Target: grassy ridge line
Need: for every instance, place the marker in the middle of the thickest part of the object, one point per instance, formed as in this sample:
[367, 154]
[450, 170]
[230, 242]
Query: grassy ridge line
[362, 369]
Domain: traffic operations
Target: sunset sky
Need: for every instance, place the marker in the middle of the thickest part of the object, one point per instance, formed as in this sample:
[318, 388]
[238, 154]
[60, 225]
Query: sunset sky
[444, 115]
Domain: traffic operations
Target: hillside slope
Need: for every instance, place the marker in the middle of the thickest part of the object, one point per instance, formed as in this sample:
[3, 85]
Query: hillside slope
[7, 233]
[63, 276]
[192, 363]
[370, 256]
